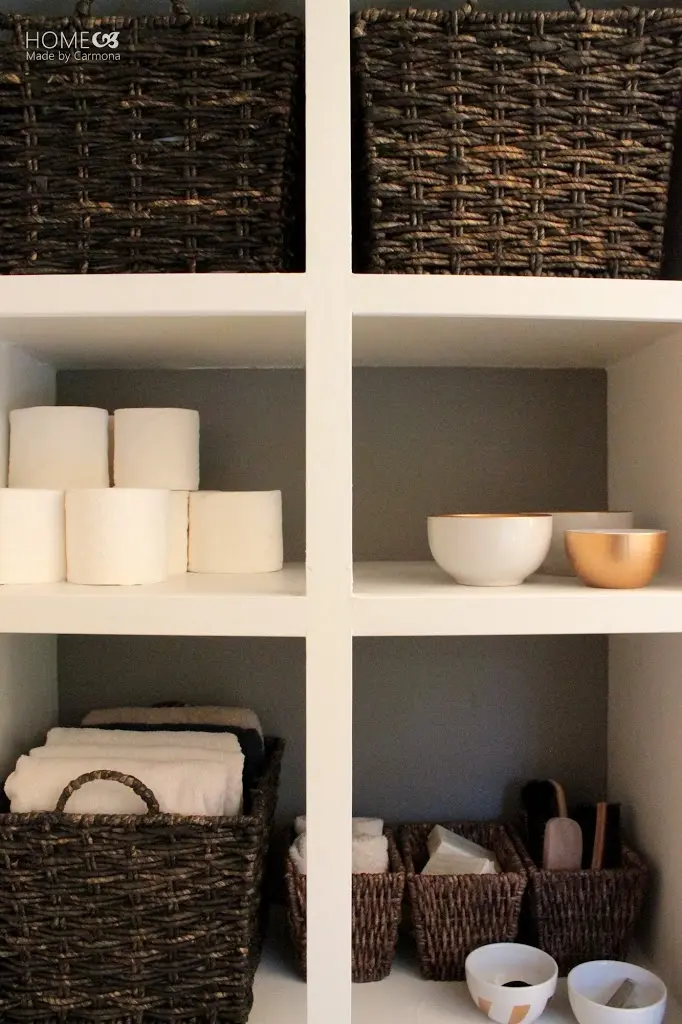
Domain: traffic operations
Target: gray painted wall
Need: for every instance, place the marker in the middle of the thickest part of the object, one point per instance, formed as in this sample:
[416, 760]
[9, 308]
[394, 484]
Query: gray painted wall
[443, 726]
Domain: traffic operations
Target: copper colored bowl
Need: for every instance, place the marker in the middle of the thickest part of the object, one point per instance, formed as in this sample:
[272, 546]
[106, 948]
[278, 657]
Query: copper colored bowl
[616, 559]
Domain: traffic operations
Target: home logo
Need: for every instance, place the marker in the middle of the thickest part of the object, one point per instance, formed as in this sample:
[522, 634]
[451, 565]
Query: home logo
[66, 45]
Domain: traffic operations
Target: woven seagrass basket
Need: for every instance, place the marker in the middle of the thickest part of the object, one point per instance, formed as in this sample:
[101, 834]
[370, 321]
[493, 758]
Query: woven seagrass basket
[181, 151]
[451, 915]
[534, 143]
[133, 918]
[583, 915]
[377, 902]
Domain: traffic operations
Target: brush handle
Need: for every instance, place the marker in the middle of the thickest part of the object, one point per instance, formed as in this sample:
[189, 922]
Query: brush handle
[562, 806]
[599, 836]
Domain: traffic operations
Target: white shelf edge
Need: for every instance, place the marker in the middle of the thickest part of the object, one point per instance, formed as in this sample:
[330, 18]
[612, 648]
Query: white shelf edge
[418, 599]
[271, 604]
[401, 998]
[137, 295]
[549, 298]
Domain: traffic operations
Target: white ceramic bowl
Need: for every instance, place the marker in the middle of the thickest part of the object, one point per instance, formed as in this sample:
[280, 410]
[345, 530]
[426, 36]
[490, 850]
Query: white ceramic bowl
[490, 550]
[557, 563]
[490, 968]
[591, 985]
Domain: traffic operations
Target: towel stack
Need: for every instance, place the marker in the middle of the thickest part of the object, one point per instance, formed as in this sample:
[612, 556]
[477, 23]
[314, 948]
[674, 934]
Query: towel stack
[370, 847]
[196, 761]
[114, 500]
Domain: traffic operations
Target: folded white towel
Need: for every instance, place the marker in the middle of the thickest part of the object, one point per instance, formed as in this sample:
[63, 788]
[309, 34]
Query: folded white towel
[61, 737]
[190, 787]
[361, 826]
[370, 854]
[131, 753]
[298, 854]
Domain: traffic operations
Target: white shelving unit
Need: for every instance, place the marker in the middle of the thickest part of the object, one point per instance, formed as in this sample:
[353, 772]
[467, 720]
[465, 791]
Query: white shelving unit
[325, 320]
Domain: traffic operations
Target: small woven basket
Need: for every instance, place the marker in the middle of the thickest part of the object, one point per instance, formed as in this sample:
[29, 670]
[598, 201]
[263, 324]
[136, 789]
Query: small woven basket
[534, 142]
[180, 152]
[377, 902]
[127, 918]
[583, 915]
[454, 914]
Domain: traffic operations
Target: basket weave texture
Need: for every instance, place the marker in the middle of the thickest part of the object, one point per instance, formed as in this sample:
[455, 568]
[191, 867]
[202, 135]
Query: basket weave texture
[577, 916]
[133, 918]
[534, 143]
[182, 156]
[377, 901]
[454, 914]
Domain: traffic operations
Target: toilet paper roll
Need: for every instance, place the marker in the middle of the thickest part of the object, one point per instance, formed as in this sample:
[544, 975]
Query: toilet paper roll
[178, 525]
[117, 536]
[157, 448]
[235, 531]
[31, 536]
[58, 447]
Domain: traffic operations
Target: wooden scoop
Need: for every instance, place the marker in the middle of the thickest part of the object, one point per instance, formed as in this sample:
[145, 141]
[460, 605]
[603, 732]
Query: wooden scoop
[563, 844]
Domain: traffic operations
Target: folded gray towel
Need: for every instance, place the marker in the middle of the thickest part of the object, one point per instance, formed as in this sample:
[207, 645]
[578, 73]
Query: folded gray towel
[241, 718]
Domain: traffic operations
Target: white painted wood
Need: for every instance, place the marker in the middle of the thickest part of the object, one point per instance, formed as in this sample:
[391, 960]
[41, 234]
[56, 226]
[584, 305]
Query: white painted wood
[645, 710]
[164, 320]
[28, 694]
[423, 320]
[402, 998]
[141, 295]
[418, 599]
[329, 702]
[28, 665]
[168, 342]
[263, 604]
[23, 381]
[549, 298]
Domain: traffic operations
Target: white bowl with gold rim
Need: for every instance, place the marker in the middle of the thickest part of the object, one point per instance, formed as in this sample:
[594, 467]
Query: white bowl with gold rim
[511, 983]
[490, 550]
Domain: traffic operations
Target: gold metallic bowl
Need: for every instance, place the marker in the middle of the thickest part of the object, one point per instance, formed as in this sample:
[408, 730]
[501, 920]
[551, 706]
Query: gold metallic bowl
[616, 559]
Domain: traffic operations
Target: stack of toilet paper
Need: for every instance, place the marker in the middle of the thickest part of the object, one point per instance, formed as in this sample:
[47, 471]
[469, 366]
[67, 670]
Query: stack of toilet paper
[100, 499]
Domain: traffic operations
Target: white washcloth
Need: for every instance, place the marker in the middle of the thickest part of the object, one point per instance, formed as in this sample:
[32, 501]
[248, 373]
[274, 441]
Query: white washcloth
[368, 827]
[60, 737]
[190, 787]
[361, 826]
[370, 855]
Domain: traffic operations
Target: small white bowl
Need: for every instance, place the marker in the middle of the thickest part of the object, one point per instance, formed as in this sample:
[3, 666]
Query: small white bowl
[490, 968]
[490, 550]
[591, 985]
[557, 563]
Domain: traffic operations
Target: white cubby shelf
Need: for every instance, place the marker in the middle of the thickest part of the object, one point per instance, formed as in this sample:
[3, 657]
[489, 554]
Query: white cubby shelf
[327, 321]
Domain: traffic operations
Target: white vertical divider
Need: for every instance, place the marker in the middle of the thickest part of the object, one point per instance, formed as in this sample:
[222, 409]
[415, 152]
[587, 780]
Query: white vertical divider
[329, 511]
[645, 711]
[28, 664]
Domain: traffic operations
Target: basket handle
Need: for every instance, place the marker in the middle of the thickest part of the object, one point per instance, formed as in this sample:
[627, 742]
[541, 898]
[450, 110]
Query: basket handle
[178, 9]
[104, 773]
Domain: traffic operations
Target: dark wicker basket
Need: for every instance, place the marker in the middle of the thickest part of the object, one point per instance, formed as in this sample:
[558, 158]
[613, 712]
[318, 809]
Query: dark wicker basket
[454, 914]
[583, 915]
[516, 143]
[183, 155]
[377, 902]
[113, 918]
